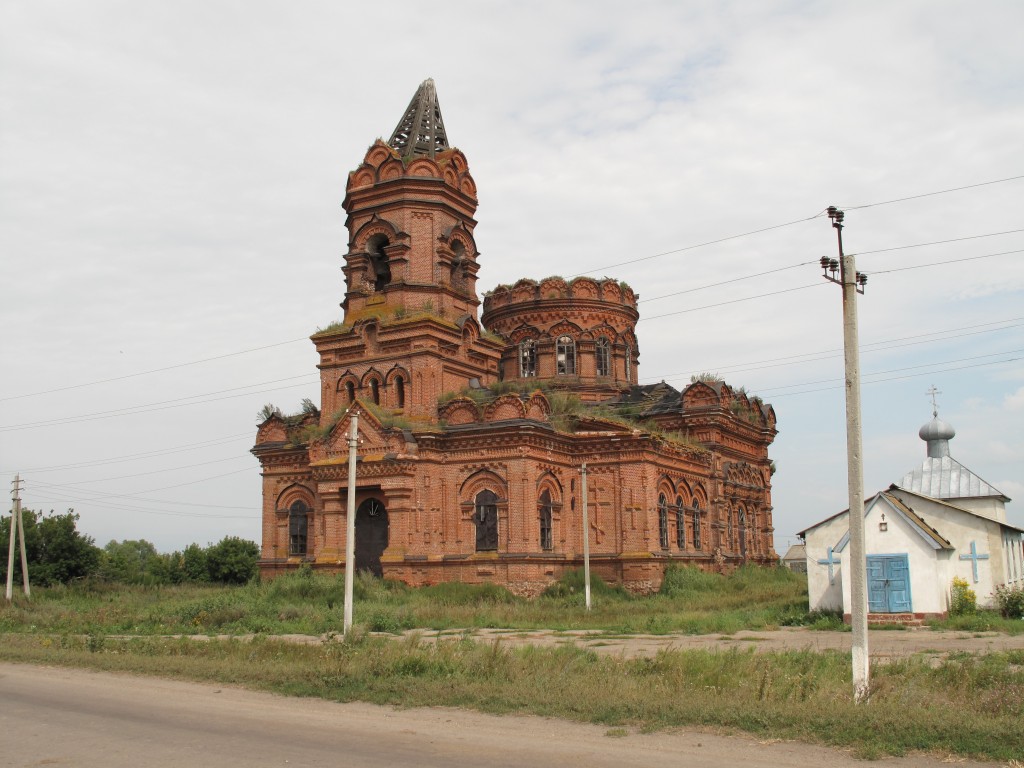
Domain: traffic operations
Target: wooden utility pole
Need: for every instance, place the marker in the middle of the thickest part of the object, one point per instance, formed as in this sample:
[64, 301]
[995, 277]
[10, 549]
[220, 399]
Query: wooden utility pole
[853, 283]
[17, 529]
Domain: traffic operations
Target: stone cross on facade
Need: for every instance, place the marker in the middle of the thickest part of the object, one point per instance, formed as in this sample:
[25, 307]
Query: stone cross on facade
[831, 562]
[974, 557]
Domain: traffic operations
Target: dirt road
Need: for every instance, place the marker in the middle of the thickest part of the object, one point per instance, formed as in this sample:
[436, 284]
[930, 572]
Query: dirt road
[65, 717]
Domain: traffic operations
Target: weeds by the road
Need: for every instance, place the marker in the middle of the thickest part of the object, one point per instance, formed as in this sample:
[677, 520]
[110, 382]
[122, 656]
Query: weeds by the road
[311, 603]
[966, 705]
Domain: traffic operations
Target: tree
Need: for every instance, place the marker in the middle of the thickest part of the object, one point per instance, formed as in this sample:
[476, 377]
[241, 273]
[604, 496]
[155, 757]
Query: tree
[56, 551]
[232, 560]
[128, 561]
[193, 563]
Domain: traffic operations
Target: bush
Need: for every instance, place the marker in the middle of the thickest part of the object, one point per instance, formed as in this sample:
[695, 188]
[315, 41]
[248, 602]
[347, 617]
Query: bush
[1010, 601]
[681, 581]
[232, 560]
[57, 553]
[962, 600]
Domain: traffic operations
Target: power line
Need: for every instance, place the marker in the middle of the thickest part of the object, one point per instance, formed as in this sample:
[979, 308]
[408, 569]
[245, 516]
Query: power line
[135, 456]
[825, 354]
[75, 494]
[155, 370]
[936, 242]
[929, 194]
[940, 263]
[731, 301]
[726, 282]
[897, 378]
[698, 245]
[161, 471]
[135, 410]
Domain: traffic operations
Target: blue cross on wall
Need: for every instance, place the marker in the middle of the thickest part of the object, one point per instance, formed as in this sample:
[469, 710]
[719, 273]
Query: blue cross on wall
[831, 562]
[974, 557]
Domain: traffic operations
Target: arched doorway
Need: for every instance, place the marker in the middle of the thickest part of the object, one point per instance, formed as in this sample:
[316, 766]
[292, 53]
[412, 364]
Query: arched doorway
[371, 536]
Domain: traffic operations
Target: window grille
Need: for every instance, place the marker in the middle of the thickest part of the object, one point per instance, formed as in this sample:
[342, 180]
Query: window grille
[565, 356]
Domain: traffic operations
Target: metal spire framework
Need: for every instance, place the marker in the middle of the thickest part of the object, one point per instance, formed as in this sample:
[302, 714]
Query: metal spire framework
[421, 129]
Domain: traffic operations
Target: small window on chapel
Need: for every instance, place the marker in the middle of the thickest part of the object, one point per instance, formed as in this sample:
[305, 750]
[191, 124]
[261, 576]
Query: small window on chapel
[379, 261]
[375, 391]
[603, 350]
[696, 526]
[527, 358]
[350, 391]
[629, 363]
[565, 356]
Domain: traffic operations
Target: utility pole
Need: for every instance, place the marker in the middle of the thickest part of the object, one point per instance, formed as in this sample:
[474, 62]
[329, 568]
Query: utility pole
[853, 282]
[17, 529]
[350, 522]
[586, 537]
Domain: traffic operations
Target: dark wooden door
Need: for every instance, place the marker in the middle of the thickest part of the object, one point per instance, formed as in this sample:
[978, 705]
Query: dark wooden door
[371, 536]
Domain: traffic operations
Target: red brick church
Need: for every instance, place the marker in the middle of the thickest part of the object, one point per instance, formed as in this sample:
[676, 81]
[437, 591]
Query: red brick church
[474, 427]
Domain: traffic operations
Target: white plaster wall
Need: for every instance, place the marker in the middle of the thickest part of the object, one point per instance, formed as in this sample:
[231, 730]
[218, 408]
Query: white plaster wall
[987, 506]
[821, 595]
[960, 529]
[927, 593]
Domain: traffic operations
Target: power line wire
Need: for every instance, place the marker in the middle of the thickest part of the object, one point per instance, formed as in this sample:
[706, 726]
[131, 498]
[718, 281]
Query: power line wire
[940, 263]
[935, 242]
[155, 370]
[929, 194]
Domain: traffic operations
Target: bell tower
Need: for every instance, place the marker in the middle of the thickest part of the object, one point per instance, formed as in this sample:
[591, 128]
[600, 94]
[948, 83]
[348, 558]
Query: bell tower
[410, 330]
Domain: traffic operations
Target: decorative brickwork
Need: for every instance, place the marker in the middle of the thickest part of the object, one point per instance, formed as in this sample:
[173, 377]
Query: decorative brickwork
[469, 461]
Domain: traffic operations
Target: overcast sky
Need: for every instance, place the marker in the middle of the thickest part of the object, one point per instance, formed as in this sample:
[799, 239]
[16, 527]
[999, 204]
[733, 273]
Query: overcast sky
[171, 231]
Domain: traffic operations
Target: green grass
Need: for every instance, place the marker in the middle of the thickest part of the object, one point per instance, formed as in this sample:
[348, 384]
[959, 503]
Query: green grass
[311, 603]
[968, 706]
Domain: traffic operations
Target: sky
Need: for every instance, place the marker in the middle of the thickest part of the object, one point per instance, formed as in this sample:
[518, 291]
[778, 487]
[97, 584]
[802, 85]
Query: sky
[171, 231]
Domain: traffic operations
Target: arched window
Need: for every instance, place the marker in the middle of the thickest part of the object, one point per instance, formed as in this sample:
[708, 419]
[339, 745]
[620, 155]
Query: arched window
[375, 391]
[629, 363]
[696, 525]
[680, 524]
[298, 522]
[741, 519]
[486, 519]
[350, 391]
[379, 261]
[663, 520]
[400, 392]
[527, 358]
[544, 508]
[604, 357]
[565, 356]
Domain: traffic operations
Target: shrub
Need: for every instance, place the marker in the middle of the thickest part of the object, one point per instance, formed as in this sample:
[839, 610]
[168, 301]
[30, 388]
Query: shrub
[232, 560]
[1010, 601]
[681, 581]
[571, 583]
[962, 600]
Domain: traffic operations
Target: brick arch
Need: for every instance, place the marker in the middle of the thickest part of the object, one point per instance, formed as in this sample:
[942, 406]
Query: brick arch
[524, 332]
[564, 328]
[505, 407]
[683, 489]
[423, 167]
[666, 486]
[375, 226]
[484, 480]
[548, 482]
[460, 410]
[292, 493]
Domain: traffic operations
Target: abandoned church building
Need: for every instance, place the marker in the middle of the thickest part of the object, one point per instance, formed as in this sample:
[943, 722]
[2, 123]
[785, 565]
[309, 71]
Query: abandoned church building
[474, 428]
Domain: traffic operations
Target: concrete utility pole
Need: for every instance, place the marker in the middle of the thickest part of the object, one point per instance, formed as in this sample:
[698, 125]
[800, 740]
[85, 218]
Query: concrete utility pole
[853, 282]
[350, 522]
[586, 537]
[17, 529]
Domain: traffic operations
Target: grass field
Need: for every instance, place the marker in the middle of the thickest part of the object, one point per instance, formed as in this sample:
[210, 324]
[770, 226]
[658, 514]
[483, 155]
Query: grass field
[965, 705]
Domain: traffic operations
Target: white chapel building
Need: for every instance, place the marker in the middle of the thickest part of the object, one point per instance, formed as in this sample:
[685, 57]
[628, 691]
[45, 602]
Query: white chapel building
[940, 521]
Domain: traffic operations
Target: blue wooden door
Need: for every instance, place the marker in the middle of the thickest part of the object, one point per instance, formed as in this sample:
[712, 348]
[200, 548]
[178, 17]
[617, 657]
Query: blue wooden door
[888, 583]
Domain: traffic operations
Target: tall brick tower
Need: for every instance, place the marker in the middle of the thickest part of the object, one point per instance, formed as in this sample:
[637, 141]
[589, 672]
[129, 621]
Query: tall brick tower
[410, 330]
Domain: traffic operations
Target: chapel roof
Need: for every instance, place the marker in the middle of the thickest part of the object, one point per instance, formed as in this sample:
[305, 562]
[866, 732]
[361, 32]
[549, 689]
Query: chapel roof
[940, 475]
[420, 132]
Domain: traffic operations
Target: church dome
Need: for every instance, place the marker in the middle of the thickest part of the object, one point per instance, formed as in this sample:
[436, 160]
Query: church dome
[937, 429]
